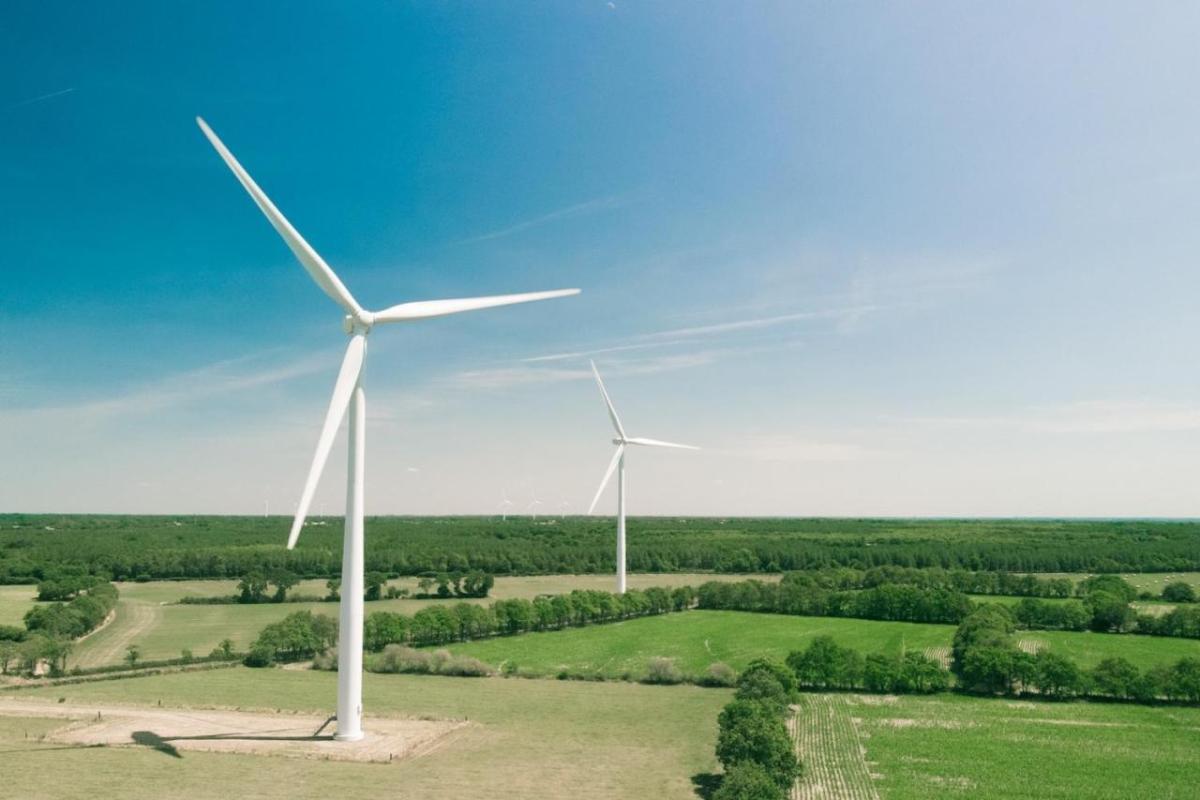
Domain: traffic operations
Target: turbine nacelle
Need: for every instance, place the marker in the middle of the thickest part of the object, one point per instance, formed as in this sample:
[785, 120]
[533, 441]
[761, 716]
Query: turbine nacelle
[358, 325]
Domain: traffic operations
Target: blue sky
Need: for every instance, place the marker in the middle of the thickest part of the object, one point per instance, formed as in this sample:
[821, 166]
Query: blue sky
[875, 259]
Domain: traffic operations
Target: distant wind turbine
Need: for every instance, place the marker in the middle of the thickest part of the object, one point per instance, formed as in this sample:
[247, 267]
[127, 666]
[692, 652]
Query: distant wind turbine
[504, 505]
[533, 504]
[348, 395]
[618, 461]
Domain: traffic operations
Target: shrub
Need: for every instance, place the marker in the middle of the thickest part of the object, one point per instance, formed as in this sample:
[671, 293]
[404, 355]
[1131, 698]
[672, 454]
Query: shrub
[719, 674]
[1179, 592]
[762, 687]
[327, 660]
[748, 781]
[466, 667]
[663, 670]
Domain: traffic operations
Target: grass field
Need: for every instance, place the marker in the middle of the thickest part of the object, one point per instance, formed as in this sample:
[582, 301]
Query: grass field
[698, 638]
[14, 602]
[162, 631]
[567, 739]
[545, 739]
[1142, 581]
[953, 746]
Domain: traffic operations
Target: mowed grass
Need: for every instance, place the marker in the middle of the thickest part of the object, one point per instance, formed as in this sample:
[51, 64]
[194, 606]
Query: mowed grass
[14, 602]
[956, 746]
[696, 639]
[545, 739]
[148, 614]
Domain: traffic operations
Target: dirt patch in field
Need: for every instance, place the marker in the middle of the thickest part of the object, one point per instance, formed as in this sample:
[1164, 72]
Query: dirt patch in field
[943, 724]
[174, 732]
[1032, 646]
[873, 699]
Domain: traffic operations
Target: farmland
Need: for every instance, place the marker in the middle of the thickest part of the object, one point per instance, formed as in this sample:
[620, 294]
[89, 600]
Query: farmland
[528, 738]
[950, 745]
[568, 739]
[148, 616]
[699, 638]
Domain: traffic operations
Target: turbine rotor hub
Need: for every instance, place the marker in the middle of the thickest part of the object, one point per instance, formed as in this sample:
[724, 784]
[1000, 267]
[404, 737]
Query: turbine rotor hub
[354, 326]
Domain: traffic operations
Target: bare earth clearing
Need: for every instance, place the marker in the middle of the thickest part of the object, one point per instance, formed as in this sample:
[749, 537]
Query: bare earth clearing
[295, 735]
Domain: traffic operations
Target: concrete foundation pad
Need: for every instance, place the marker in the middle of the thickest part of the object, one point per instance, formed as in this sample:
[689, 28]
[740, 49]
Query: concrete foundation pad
[174, 731]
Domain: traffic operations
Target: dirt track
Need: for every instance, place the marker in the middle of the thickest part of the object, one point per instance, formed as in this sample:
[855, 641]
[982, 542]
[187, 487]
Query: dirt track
[176, 731]
[133, 619]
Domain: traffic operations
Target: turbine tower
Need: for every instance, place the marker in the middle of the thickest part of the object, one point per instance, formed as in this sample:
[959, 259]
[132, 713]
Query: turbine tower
[348, 395]
[618, 463]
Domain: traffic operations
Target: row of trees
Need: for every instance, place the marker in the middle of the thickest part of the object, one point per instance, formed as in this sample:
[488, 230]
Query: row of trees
[50, 628]
[753, 744]
[1104, 605]
[800, 594]
[298, 635]
[826, 665]
[464, 621]
[986, 660]
[157, 548]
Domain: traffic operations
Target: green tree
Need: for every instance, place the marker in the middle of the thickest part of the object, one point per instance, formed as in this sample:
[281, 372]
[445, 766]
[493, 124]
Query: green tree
[752, 731]
[283, 580]
[333, 585]
[1179, 592]
[1057, 676]
[373, 583]
[761, 685]
[748, 781]
[132, 654]
[1116, 677]
[252, 588]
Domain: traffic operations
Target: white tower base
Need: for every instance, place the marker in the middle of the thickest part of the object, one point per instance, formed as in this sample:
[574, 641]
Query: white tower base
[350, 626]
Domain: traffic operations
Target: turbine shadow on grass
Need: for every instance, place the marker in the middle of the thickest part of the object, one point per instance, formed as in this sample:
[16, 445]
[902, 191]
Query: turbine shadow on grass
[163, 743]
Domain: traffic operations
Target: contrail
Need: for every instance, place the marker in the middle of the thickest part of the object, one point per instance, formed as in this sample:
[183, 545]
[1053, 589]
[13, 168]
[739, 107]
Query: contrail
[33, 100]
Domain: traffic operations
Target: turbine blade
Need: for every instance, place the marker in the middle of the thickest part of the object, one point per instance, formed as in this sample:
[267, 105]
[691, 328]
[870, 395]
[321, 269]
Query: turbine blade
[659, 443]
[612, 412]
[406, 312]
[313, 263]
[608, 474]
[343, 389]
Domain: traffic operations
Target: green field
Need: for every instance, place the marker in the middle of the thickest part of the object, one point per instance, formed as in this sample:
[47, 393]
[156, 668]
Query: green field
[954, 746]
[1142, 581]
[699, 638]
[147, 617]
[14, 602]
[569, 739]
[545, 739]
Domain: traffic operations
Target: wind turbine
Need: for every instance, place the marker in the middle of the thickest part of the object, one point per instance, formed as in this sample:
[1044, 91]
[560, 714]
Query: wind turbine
[533, 504]
[348, 395]
[618, 463]
[504, 505]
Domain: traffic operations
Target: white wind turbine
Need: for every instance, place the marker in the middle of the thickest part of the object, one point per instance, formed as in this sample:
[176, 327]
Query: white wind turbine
[504, 505]
[348, 394]
[618, 460]
[534, 503]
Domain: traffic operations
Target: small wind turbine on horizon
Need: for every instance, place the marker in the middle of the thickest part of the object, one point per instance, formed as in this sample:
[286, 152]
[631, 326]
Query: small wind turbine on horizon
[504, 505]
[618, 463]
[348, 395]
[533, 504]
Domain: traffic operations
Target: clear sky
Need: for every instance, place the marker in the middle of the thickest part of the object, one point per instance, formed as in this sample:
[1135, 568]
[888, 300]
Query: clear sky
[905, 259]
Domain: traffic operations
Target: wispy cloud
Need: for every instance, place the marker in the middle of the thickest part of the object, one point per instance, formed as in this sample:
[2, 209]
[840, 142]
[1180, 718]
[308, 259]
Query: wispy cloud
[213, 380]
[525, 374]
[1089, 417]
[760, 322]
[786, 448]
[592, 206]
[39, 99]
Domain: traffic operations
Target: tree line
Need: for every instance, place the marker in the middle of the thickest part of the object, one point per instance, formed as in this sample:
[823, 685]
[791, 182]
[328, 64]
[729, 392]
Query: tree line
[1102, 603]
[986, 660]
[51, 628]
[162, 548]
[460, 622]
